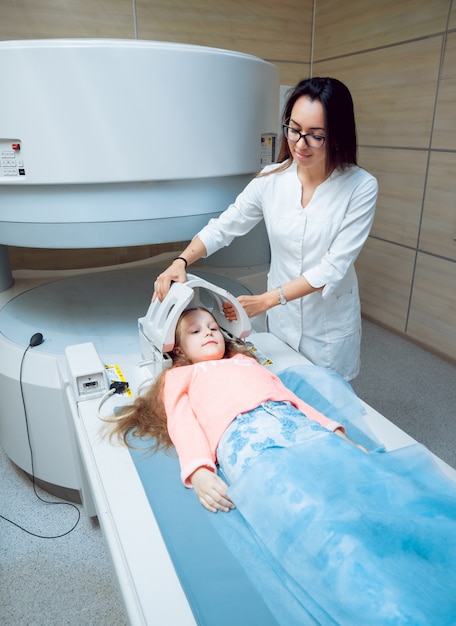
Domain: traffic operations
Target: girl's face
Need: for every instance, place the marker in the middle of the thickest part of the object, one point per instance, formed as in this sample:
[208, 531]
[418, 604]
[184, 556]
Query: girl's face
[307, 117]
[200, 338]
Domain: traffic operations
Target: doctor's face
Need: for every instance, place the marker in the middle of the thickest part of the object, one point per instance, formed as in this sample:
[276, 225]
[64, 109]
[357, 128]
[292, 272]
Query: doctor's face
[307, 117]
[199, 338]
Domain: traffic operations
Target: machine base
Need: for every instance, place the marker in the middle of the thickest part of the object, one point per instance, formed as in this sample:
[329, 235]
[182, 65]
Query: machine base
[101, 307]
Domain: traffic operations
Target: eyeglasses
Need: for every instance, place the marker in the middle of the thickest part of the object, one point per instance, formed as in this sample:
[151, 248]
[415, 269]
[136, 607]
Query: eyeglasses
[312, 140]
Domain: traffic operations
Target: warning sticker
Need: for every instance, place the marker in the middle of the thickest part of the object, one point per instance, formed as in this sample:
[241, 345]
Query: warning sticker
[262, 358]
[114, 374]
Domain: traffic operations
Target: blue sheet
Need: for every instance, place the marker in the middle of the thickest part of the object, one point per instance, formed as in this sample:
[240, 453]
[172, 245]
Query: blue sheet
[358, 539]
[344, 536]
[337, 537]
[332, 395]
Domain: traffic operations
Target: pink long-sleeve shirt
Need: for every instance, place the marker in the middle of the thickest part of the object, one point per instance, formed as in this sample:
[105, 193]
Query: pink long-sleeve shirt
[201, 401]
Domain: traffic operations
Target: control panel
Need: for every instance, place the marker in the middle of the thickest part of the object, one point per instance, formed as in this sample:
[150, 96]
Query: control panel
[11, 159]
[268, 148]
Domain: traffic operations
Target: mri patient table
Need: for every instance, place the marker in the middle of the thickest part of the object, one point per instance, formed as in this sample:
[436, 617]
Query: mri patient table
[157, 587]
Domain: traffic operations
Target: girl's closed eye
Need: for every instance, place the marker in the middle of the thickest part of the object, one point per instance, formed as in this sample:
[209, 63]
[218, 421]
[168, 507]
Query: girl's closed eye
[192, 330]
[199, 336]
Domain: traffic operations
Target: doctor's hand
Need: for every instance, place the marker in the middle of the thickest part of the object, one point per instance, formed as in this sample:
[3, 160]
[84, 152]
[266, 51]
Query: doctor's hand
[211, 490]
[253, 305]
[175, 273]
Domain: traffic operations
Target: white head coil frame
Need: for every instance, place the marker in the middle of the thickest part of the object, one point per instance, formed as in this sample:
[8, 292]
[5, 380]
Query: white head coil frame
[158, 327]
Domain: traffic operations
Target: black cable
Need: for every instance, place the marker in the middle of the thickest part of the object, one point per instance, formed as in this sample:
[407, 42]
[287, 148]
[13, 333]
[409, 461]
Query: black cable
[36, 340]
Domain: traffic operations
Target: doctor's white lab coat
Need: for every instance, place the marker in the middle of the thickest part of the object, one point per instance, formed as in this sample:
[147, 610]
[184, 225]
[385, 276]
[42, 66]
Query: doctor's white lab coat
[320, 241]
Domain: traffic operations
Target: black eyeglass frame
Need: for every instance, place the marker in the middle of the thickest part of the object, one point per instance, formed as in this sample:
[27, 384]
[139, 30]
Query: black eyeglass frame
[316, 136]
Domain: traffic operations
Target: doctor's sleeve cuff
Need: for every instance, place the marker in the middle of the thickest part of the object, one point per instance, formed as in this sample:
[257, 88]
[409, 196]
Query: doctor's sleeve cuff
[316, 280]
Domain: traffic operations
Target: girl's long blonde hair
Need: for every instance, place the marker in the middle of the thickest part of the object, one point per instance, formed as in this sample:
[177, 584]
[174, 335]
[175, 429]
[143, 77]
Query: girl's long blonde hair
[146, 417]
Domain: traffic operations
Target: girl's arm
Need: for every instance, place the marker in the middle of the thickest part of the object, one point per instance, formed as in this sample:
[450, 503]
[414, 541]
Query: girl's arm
[184, 429]
[326, 422]
[211, 490]
[342, 434]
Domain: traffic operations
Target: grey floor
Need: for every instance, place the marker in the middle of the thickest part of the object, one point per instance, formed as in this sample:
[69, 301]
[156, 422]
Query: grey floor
[70, 581]
[51, 582]
[414, 389]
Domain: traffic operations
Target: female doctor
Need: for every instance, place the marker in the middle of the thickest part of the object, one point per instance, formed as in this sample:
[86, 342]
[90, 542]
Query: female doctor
[318, 207]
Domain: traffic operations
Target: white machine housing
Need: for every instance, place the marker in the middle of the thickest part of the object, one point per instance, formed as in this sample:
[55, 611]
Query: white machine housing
[86, 371]
[126, 142]
[108, 143]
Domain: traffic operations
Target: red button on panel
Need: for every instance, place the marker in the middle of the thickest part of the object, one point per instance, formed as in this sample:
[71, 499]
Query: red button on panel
[16, 146]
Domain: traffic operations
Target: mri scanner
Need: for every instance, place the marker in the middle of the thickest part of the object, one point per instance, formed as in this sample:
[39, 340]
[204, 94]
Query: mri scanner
[110, 143]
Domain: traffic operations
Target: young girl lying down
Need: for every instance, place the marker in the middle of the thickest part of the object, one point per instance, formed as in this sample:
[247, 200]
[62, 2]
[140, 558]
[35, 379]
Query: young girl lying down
[330, 535]
[218, 405]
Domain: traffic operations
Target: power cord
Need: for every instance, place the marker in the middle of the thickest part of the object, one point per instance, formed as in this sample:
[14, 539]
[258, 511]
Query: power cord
[118, 387]
[36, 340]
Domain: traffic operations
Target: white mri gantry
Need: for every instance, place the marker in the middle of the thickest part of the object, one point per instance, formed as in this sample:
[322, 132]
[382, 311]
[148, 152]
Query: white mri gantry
[106, 144]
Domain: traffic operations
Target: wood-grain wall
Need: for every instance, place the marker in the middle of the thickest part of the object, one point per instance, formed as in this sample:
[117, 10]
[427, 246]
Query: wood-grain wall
[399, 60]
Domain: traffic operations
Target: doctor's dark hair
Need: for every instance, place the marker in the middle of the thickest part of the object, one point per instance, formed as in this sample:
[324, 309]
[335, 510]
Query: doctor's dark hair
[339, 116]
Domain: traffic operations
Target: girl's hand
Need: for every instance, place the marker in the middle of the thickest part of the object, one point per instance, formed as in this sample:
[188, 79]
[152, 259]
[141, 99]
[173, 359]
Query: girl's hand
[211, 490]
[229, 311]
[341, 434]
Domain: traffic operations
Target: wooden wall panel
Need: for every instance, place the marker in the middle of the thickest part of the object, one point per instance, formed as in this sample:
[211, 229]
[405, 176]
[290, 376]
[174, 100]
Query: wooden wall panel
[390, 56]
[444, 135]
[49, 19]
[433, 306]
[260, 27]
[401, 179]
[438, 231]
[292, 73]
[385, 276]
[393, 90]
[452, 20]
[347, 27]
